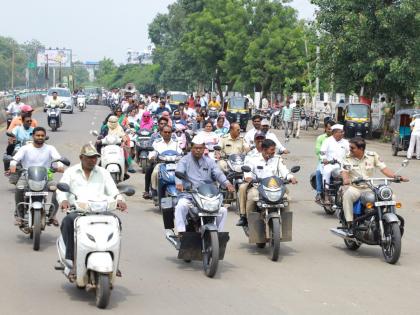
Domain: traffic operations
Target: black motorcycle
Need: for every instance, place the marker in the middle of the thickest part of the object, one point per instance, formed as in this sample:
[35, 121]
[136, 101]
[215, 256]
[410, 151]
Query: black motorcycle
[143, 148]
[375, 219]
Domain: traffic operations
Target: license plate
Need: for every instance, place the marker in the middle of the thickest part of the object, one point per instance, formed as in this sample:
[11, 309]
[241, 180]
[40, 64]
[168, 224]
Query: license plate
[385, 203]
[36, 193]
[170, 167]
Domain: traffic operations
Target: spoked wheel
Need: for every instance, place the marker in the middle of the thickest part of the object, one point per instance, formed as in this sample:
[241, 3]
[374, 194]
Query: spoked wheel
[274, 227]
[103, 290]
[391, 249]
[36, 230]
[210, 253]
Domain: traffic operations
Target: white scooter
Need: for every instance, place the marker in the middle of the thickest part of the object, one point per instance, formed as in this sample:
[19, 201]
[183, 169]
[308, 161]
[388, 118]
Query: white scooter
[97, 239]
[81, 102]
[112, 156]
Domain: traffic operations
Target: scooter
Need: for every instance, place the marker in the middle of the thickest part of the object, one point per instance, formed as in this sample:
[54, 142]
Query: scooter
[202, 240]
[97, 235]
[375, 219]
[142, 143]
[112, 156]
[269, 223]
[54, 117]
[36, 208]
[81, 102]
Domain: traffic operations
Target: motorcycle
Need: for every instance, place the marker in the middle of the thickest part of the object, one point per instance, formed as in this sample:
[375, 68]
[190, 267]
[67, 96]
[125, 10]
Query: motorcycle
[97, 234]
[142, 143]
[36, 208]
[10, 117]
[313, 120]
[276, 122]
[375, 219]
[202, 240]
[54, 117]
[112, 157]
[81, 102]
[167, 195]
[330, 192]
[268, 223]
[213, 113]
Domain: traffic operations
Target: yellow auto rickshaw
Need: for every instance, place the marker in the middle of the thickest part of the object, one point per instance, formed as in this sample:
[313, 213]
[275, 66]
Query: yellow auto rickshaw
[357, 120]
[176, 98]
[237, 111]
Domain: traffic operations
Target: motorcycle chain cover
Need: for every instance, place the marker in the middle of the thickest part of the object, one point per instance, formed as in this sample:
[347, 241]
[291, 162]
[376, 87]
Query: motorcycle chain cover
[191, 246]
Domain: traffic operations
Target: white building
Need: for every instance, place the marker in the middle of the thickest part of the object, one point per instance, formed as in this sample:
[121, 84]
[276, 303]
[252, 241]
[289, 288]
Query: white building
[133, 57]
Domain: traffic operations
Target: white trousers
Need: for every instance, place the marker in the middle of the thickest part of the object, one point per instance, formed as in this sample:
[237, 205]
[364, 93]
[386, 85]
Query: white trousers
[181, 211]
[414, 142]
[327, 170]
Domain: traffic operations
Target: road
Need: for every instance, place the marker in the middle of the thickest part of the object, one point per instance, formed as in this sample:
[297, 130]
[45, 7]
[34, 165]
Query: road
[316, 274]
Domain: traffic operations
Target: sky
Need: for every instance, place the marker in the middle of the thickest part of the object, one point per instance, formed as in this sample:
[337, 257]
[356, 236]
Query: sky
[93, 29]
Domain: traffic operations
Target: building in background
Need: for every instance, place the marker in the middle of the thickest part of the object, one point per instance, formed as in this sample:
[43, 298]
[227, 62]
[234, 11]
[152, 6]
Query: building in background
[91, 66]
[146, 57]
[133, 57]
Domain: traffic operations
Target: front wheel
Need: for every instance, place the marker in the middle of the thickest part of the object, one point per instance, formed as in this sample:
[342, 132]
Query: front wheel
[210, 253]
[103, 290]
[143, 164]
[36, 229]
[316, 124]
[394, 150]
[391, 249]
[274, 227]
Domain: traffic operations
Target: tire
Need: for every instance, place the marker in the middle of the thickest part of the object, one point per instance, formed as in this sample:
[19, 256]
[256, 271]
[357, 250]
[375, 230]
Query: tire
[392, 252]
[316, 124]
[210, 253]
[114, 177]
[352, 245]
[394, 150]
[143, 164]
[261, 245]
[103, 290]
[54, 127]
[329, 210]
[36, 230]
[274, 227]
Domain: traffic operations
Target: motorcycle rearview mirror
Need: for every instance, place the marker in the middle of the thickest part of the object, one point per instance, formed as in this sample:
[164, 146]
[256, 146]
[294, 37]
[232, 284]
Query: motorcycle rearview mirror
[47, 138]
[295, 169]
[246, 168]
[128, 191]
[65, 161]
[10, 134]
[63, 187]
[181, 175]
[260, 167]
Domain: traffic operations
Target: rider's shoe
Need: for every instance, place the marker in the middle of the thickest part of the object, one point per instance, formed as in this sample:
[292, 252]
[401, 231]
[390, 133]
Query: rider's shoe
[242, 221]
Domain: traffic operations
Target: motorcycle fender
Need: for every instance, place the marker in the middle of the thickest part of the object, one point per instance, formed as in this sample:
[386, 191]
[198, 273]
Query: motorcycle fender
[390, 218]
[113, 168]
[36, 205]
[100, 262]
[208, 227]
[273, 215]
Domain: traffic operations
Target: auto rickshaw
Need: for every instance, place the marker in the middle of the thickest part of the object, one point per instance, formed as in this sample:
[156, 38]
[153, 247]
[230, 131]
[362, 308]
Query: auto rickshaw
[176, 98]
[357, 120]
[237, 111]
[402, 130]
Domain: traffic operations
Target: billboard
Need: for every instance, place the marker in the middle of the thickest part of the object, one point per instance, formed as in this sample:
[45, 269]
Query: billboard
[54, 57]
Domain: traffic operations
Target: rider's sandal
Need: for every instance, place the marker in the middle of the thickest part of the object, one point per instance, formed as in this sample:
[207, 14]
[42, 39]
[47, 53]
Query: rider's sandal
[72, 276]
[53, 222]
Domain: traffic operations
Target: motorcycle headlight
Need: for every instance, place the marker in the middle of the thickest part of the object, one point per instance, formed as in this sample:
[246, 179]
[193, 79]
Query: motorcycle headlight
[385, 193]
[351, 124]
[210, 205]
[274, 195]
[36, 185]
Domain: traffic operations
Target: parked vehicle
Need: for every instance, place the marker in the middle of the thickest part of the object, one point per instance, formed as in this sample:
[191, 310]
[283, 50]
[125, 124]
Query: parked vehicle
[202, 240]
[97, 234]
[402, 130]
[375, 219]
[269, 223]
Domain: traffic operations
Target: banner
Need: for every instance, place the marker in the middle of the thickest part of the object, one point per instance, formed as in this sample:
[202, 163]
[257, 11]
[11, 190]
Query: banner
[54, 58]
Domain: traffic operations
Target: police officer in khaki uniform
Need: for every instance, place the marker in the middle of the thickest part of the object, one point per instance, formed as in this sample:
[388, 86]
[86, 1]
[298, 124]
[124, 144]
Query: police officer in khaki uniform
[360, 163]
[232, 143]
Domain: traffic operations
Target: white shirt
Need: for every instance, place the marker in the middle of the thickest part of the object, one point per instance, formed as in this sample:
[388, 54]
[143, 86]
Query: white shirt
[29, 155]
[250, 155]
[161, 146]
[332, 149]
[99, 185]
[249, 136]
[124, 106]
[53, 103]
[416, 126]
[152, 107]
[270, 135]
[14, 108]
[272, 167]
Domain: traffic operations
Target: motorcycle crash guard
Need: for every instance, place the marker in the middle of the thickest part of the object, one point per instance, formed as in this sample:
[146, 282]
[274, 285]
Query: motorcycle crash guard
[190, 248]
[257, 227]
[100, 262]
[113, 168]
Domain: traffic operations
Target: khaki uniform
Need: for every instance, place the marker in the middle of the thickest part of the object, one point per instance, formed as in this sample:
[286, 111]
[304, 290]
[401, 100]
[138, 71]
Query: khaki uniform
[365, 168]
[231, 146]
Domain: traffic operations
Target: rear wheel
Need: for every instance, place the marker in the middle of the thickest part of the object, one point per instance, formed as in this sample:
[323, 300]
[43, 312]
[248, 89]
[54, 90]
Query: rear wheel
[36, 229]
[394, 150]
[391, 249]
[210, 253]
[274, 227]
[53, 127]
[103, 290]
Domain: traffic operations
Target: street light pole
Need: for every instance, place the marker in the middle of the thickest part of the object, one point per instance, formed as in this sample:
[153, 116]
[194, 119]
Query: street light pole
[12, 83]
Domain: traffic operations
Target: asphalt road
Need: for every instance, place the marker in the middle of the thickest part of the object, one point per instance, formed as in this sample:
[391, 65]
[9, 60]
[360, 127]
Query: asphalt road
[316, 274]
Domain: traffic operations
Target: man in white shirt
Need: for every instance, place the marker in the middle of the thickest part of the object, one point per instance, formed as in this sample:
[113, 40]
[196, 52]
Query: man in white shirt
[265, 165]
[14, 107]
[86, 180]
[249, 136]
[415, 138]
[265, 126]
[35, 154]
[153, 106]
[334, 147]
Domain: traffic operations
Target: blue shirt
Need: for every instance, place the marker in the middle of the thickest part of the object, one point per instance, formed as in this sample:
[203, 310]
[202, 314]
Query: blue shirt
[202, 171]
[22, 135]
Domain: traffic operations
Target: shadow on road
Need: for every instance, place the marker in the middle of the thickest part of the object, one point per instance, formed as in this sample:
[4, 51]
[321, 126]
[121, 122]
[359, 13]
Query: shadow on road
[47, 240]
[365, 251]
[254, 250]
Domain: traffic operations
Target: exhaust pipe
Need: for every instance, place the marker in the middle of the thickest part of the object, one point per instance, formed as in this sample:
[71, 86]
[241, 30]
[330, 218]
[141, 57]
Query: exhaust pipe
[341, 233]
[173, 239]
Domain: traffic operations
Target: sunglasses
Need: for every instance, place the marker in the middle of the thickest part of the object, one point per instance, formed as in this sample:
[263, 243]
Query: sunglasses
[28, 121]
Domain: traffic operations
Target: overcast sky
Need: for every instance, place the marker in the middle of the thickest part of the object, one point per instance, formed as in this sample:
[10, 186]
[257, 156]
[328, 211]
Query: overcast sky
[93, 29]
